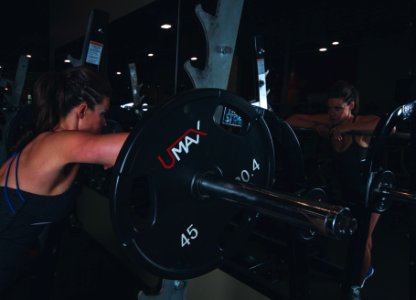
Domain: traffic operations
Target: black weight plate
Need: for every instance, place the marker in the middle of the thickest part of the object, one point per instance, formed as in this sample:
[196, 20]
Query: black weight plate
[160, 222]
[290, 174]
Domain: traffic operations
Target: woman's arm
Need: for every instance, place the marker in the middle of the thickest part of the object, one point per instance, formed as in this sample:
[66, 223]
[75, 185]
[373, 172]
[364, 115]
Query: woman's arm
[83, 147]
[362, 124]
[308, 121]
[365, 124]
[320, 123]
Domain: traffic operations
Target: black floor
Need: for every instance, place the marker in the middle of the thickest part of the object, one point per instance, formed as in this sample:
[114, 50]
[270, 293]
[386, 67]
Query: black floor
[391, 261]
[82, 269]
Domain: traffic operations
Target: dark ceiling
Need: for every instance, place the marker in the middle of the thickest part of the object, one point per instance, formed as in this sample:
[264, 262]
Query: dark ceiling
[305, 24]
[24, 29]
[25, 23]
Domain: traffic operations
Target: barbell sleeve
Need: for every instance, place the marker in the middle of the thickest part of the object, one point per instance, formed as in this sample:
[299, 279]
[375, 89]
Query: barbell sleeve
[325, 218]
[397, 195]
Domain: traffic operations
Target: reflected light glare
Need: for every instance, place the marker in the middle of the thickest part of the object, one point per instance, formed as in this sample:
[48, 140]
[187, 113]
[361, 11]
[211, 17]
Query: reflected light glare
[127, 105]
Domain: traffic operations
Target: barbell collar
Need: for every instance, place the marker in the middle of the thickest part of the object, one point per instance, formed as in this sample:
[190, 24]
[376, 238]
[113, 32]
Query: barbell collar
[327, 219]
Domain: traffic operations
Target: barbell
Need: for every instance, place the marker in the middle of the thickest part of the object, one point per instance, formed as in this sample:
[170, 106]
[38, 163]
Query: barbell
[188, 184]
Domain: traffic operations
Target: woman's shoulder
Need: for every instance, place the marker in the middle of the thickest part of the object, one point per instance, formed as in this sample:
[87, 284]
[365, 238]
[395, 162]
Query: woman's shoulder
[367, 117]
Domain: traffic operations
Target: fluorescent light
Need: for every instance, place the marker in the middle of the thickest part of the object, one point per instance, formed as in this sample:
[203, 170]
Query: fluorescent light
[335, 43]
[323, 49]
[166, 26]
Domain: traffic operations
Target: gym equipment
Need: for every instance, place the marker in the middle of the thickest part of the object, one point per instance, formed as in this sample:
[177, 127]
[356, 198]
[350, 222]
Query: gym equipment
[380, 192]
[381, 188]
[220, 34]
[261, 73]
[93, 49]
[135, 90]
[11, 105]
[197, 168]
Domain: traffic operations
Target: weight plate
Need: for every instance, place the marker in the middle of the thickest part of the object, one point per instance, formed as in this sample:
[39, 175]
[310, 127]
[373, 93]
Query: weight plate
[290, 174]
[158, 219]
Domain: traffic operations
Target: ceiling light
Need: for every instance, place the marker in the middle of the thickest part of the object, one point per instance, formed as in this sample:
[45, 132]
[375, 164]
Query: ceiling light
[166, 26]
[323, 49]
[335, 43]
[67, 61]
[194, 58]
[150, 54]
[28, 55]
[118, 73]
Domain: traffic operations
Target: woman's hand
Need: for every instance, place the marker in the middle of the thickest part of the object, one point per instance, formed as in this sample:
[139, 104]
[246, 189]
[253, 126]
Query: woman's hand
[338, 131]
[322, 130]
[336, 134]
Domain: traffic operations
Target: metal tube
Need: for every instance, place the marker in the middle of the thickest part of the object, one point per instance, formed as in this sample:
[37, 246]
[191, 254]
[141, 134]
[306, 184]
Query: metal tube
[398, 195]
[327, 219]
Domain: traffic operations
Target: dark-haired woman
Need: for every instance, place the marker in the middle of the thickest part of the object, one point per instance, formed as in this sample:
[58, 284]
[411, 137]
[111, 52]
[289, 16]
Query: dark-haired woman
[36, 181]
[345, 129]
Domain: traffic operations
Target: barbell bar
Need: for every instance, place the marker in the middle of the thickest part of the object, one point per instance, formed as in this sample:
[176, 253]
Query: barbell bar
[327, 219]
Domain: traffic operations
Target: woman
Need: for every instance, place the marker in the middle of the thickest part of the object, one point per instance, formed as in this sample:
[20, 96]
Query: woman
[35, 183]
[349, 135]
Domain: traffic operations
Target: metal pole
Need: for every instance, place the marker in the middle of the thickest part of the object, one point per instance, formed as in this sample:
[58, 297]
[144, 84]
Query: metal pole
[326, 218]
[175, 87]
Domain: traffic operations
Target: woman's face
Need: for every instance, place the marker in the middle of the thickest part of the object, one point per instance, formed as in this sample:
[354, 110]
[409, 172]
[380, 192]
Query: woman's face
[94, 119]
[338, 110]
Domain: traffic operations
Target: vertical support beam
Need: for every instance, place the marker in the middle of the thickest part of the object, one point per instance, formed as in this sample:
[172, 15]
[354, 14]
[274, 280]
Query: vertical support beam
[286, 71]
[412, 229]
[261, 72]
[19, 80]
[135, 89]
[220, 35]
[94, 50]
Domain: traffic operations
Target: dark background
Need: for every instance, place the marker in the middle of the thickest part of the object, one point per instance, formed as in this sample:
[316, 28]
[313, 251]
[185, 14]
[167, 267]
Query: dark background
[376, 51]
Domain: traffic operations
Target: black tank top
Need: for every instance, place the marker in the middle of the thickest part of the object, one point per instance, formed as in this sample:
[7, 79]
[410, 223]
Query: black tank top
[348, 167]
[19, 208]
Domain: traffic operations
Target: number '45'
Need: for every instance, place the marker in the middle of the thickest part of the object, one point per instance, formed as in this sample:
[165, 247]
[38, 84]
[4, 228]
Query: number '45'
[190, 234]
